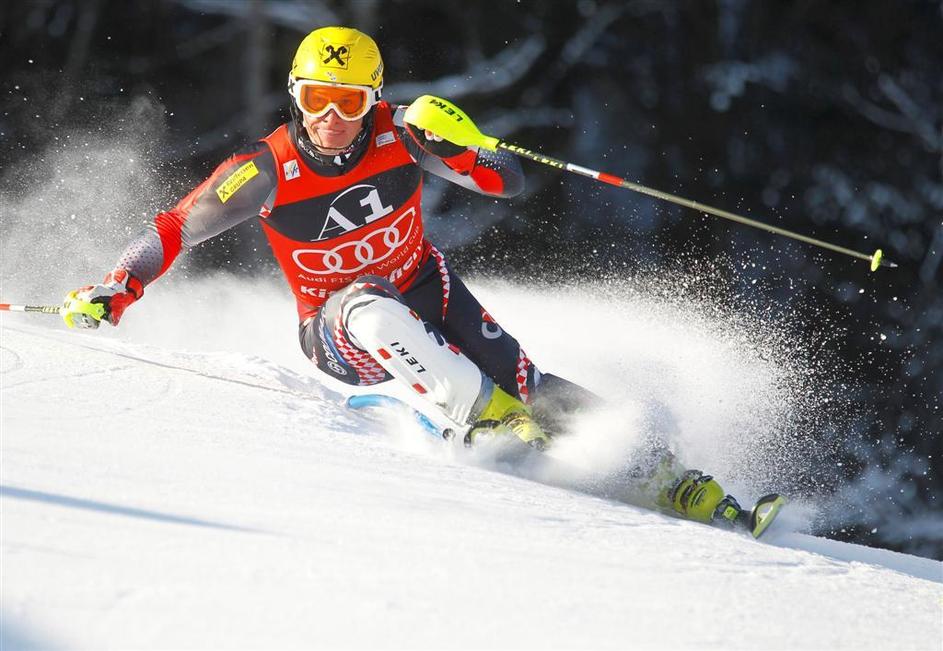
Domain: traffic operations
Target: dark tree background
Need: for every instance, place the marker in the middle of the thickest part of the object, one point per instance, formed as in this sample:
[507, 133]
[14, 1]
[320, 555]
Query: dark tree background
[820, 117]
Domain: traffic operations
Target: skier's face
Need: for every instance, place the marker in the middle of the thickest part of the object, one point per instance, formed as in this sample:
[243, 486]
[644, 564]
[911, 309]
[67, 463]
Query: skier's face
[330, 131]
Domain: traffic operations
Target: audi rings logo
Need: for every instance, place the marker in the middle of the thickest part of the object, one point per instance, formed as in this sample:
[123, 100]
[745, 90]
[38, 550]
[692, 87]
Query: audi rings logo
[351, 257]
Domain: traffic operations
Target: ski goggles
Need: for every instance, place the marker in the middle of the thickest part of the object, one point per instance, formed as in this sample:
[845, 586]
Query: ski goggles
[316, 98]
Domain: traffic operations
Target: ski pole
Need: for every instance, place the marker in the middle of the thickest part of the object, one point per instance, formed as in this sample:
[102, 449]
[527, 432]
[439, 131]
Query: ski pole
[876, 259]
[444, 118]
[45, 309]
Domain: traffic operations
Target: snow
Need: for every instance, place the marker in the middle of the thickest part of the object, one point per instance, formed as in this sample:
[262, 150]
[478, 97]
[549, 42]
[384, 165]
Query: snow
[186, 482]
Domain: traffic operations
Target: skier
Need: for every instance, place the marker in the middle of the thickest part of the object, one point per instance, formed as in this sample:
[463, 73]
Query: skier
[338, 190]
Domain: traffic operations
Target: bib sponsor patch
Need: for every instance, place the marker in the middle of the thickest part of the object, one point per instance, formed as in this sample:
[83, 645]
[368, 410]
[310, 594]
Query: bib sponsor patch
[236, 180]
[291, 169]
[385, 138]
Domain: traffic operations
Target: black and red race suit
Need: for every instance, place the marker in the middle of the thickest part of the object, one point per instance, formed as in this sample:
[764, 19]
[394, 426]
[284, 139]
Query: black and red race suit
[331, 221]
[328, 231]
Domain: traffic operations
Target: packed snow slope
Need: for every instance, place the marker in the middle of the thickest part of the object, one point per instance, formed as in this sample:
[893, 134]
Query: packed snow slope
[185, 482]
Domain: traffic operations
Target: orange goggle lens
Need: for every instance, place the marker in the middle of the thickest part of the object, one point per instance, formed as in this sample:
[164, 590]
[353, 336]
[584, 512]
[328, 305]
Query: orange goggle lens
[351, 103]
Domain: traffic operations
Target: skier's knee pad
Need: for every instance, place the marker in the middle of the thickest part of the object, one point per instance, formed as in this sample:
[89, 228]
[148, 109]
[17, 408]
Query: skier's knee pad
[358, 294]
[369, 316]
[396, 337]
[370, 305]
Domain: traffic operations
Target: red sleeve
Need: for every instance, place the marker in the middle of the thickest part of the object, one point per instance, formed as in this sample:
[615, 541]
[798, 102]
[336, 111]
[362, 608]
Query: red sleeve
[487, 179]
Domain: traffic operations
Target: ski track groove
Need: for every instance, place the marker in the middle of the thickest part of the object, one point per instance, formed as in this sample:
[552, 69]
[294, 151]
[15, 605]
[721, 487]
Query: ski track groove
[17, 362]
[69, 376]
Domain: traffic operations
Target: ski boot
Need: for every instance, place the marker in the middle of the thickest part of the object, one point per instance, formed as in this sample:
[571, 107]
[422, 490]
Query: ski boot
[698, 497]
[505, 413]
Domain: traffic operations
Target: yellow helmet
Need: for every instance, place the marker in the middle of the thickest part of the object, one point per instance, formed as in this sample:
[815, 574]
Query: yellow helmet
[339, 55]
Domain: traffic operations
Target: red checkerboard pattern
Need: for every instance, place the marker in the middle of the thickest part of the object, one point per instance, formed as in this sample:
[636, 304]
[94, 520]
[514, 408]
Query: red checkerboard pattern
[523, 366]
[444, 275]
[368, 370]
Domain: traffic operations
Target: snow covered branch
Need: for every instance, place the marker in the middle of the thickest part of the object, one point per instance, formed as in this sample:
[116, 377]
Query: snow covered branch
[298, 15]
[486, 76]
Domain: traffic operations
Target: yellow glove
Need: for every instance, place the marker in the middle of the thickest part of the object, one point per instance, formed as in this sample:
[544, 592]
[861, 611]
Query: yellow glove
[88, 306]
[441, 118]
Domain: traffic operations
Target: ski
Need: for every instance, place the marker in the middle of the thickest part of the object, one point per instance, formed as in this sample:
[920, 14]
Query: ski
[385, 403]
[763, 513]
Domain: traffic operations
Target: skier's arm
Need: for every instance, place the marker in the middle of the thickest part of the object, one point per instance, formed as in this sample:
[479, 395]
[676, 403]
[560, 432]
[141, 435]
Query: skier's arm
[235, 191]
[496, 173]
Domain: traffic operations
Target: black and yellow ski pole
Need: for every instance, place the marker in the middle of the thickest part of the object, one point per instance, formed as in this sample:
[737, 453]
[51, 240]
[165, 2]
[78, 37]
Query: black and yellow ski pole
[44, 309]
[445, 119]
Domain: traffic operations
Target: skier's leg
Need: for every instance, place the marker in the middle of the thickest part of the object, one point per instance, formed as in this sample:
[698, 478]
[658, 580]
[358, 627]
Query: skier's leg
[659, 481]
[443, 298]
[366, 334]
[372, 325]
[557, 401]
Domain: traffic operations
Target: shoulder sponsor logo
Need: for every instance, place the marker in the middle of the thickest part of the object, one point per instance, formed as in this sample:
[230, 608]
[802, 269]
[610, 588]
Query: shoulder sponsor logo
[291, 169]
[236, 180]
[385, 138]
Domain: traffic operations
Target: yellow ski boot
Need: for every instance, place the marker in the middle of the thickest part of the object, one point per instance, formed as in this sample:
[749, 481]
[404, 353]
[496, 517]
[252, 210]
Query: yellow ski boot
[504, 412]
[693, 495]
[698, 497]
